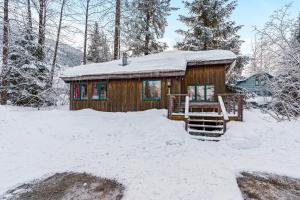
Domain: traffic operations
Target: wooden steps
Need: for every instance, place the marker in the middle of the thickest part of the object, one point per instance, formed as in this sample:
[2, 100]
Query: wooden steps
[205, 126]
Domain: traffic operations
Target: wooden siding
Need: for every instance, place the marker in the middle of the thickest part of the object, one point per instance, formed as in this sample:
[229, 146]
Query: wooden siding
[126, 94]
[250, 84]
[204, 75]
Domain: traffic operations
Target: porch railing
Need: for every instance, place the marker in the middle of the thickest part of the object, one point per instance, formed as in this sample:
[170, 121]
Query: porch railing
[176, 103]
[234, 104]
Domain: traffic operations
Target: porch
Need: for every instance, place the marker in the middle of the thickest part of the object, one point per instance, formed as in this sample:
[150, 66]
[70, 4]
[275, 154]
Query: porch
[206, 118]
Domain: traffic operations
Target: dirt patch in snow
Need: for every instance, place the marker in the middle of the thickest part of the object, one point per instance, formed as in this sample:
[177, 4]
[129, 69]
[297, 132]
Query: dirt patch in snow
[68, 186]
[264, 186]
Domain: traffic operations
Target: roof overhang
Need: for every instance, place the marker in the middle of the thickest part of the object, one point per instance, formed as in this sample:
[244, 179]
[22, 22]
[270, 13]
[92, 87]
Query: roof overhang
[210, 62]
[154, 74]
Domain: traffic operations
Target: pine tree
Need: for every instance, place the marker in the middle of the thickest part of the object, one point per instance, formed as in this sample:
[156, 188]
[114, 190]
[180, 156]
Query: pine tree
[98, 49]
[28, 76]
[209, 26]
[146, 25]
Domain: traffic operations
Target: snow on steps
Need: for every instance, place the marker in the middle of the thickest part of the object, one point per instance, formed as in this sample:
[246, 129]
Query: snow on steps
[205, 126]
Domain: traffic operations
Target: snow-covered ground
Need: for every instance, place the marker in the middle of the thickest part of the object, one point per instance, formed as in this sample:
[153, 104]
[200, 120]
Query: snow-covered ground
[151, 155]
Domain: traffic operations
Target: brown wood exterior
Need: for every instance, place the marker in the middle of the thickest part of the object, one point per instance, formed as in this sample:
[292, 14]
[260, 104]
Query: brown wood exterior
[126, 94]
[204, 75]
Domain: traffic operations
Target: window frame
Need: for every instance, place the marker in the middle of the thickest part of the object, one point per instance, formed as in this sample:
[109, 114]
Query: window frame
[99, 85]
[80, 83]
[151, 98]
[257, 82]
[205, 92]
[79, 91]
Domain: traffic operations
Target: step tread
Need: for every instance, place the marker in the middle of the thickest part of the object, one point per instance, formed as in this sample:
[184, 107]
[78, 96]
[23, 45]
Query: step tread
[205, 120]
[205, 126]
[204, 114]
[204, 131]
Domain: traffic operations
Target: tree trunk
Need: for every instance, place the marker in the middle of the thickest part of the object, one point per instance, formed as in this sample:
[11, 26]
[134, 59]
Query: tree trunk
[44, 23]
[85, 31]
[117, 30]
[4, 72]
[147, 37]
[29, 16]
[41, 35]
[50, 82]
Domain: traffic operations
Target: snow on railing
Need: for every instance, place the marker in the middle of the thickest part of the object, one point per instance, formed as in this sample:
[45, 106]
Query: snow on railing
[223, 109]
[234, 104]
[186, 109]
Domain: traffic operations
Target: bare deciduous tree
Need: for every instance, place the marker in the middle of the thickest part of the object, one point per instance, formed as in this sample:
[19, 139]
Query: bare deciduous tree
[4, 82]
[56, 44]
[117, 29]
[279, 36]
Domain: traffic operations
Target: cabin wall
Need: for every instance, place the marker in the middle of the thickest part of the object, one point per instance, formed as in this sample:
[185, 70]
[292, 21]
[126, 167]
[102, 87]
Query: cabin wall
[126, 95]
[250, 85]
[205, 75]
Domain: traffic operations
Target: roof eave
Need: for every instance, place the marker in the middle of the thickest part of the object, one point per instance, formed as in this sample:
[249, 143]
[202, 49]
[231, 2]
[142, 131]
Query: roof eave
[210, 62]
[125, 75]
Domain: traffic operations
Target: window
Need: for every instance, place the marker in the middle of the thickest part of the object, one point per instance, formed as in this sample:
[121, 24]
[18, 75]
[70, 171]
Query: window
[256, 82]
[84, 91]
[80, 91]
[99, 90]
[76, 91]
[210, 93]
[95, 92]
[201, 92]
[192, 93]
[200, 95]
[151, 90]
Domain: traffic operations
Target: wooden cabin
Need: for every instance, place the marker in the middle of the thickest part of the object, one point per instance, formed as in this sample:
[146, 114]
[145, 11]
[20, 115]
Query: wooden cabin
[183, 82]
[256, 83]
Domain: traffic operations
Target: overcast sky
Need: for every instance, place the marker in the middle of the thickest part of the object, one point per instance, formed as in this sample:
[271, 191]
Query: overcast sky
[249, 13]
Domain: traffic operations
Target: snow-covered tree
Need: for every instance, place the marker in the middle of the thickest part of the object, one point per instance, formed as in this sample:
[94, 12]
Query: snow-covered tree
[4, 67]
[28, 76]
[98, 50]
[146, 24]
[280, 37]
[209, 27]
[261, 58]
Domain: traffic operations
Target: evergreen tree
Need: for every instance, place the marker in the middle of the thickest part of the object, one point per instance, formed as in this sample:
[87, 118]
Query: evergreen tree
[28, 76]
[209, 26]
[146, 25]
[98, 49]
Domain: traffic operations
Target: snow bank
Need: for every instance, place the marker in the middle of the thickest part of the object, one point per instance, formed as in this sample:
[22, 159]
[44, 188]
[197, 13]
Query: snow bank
[160, 62]
[152, 156]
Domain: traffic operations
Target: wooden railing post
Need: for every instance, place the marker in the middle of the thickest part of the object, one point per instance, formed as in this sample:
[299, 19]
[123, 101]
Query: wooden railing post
[240, 107]
[170, 105]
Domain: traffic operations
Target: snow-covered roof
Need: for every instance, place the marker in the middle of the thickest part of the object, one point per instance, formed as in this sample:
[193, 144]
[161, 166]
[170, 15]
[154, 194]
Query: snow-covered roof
[257, 74]
[168, 61]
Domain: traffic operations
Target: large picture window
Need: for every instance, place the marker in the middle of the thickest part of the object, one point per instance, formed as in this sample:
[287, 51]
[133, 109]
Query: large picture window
[201, 92]
[151, 90]
[99, 90]
[80, 91]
